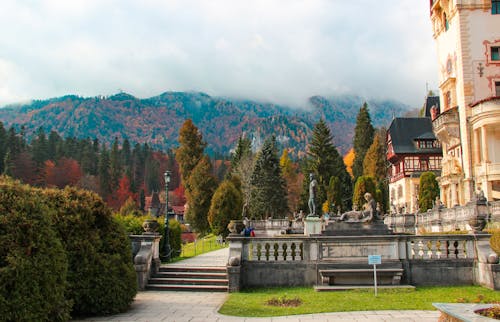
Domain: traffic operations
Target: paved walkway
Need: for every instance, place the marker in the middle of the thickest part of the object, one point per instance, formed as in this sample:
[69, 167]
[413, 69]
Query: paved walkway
[152, 306]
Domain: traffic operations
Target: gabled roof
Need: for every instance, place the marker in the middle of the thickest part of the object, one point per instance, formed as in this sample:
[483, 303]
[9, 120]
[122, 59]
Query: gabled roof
[405, 130]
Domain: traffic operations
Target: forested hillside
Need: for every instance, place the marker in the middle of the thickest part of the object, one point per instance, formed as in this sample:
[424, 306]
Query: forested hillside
[157, 120]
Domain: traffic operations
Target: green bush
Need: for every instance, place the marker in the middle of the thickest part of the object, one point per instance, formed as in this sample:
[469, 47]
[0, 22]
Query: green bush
[226, 205]
[495, 239]
[101, 276]
[33, 264]
[131, 223]
[174, 237]
[428, 191]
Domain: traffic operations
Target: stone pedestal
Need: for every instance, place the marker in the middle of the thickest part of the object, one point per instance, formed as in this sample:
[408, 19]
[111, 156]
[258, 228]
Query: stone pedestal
[342, 228]
[312, 226]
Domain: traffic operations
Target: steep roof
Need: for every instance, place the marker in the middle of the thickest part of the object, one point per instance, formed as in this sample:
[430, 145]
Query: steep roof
[404, 130]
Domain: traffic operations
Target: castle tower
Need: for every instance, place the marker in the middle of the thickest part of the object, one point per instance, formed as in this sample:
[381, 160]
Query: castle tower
[467, 35]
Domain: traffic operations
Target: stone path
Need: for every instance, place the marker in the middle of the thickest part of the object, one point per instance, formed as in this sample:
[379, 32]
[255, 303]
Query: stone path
[152, 306]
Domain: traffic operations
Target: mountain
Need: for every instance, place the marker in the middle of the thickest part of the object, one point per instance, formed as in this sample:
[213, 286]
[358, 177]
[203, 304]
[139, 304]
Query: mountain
[156, 120]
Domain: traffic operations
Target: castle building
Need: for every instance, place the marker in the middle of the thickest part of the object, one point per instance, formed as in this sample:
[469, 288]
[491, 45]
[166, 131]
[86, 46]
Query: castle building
[467, 35]
[412, 149]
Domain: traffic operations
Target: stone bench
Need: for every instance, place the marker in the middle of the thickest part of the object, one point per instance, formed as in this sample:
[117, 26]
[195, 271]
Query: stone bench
[361, 276]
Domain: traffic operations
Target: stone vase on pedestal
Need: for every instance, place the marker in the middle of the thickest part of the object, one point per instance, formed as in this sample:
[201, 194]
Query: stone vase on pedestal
[235, 227]
[150, 226]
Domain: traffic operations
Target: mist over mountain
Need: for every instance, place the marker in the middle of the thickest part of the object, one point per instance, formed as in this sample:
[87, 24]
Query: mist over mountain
[156, 120]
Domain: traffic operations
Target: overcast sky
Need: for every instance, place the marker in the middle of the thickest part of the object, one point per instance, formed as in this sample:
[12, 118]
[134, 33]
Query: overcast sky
[269, 50]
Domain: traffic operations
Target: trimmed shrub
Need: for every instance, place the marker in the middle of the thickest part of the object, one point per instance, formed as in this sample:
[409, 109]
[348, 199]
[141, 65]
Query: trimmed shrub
[33, 264]
[174, 237]
[363, 185]
[428, 191]
[101, 276]
[495, 239]
[226, 205]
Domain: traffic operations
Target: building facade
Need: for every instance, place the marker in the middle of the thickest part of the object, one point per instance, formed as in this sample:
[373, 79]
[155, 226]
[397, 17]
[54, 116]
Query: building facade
[412, 149]
[467, 35]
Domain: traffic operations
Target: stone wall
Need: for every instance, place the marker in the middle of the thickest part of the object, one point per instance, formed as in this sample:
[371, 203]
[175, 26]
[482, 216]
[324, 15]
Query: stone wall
[426, 260]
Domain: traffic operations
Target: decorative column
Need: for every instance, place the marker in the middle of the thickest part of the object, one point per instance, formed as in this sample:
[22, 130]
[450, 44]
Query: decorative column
[166, 247]
[484, 144]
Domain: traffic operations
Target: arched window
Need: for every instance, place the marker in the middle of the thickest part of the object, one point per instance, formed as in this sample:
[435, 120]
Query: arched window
[495, 7]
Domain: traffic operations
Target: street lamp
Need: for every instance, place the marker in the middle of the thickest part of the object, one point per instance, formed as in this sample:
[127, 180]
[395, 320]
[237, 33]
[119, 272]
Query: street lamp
[166, 248]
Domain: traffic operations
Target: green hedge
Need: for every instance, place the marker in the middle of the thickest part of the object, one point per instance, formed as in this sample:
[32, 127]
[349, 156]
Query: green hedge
[101, 275]
[33, 264]
[61, 251]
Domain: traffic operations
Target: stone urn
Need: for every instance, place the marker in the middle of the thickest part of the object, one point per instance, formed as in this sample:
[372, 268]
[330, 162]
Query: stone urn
[477, 223]
[235, 227]
[150, 226]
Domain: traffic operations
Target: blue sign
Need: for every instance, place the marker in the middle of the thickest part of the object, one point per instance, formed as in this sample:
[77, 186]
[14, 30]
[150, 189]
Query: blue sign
[374, 259]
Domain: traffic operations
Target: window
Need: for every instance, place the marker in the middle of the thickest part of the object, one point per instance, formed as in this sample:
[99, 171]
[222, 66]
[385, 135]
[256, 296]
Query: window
[446, 23]
[447, 100]
[495, 53]
[497, 88]
[495, 7]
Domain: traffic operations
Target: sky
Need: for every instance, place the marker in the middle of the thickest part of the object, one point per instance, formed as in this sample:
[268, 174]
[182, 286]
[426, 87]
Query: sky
[279, 51]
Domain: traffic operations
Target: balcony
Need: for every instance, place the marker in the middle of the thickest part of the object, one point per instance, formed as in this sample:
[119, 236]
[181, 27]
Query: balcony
[446, 126]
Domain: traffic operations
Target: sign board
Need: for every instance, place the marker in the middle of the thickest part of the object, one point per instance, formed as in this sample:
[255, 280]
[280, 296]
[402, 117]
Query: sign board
[374, 259]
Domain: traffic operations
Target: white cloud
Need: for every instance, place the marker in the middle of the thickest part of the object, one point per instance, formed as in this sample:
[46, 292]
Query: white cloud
[274, 50]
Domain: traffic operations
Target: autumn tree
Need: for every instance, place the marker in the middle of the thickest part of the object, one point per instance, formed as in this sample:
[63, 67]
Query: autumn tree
[349, 160]
[190, 150]
[203, 185]
[268, 197]
[428, 191]
[64, 172]
[363, 138]
[118, 197]
[225, 206]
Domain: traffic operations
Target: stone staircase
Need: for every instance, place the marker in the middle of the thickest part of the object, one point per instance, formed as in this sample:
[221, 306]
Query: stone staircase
[189, 278]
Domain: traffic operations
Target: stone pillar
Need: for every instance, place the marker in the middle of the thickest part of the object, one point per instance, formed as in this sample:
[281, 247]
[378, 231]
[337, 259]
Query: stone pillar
[477, 145]
[234, 276]
[312, 226]
[484, 144]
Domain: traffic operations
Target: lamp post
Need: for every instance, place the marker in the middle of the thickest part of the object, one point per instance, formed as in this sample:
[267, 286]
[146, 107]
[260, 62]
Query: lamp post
[166, 248]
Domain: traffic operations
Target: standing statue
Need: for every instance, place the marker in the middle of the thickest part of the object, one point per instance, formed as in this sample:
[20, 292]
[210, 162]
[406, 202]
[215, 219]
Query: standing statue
[313, 188]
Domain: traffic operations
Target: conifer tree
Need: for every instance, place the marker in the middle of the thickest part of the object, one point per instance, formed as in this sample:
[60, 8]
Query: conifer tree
[3, 146]
[363, 138]
[324, 161]
[291, 178]
[428, 191]
[203, 185]
[104, 173]
[334, 194]
[39, 148]
[268, 193]
[243, 150]
[242, 165]
[363, 185]
[190, 151]
[375, 164]
[115, 165]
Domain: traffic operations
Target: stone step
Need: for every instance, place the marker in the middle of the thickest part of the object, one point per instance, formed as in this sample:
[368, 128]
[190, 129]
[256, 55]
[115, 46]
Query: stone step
[172, 268]
[199, 275]
[188, 281]
[190, 288]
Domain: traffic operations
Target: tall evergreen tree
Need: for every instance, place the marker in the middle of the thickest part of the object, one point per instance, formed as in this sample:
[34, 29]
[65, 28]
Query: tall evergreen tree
[363, 185]
[428, 191]
[243, 150]
[334, 194]
[104, 173]
[324, 161]
[203, 185]
[3, 146]
[375, 164]
[54, 145]
[363, 138]
[39, 147]
[225, 206]
[115, 164]
[268, 195]
[190, 151]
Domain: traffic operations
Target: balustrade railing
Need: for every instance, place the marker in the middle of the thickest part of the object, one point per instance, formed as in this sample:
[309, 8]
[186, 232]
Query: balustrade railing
[441, 247]
[275, 249]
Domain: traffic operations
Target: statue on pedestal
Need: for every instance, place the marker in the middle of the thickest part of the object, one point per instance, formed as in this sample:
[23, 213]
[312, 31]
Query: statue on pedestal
[313, 188]
[367, 215]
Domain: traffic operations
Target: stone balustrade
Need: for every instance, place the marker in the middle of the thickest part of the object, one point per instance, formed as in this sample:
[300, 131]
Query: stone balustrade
[426, 260]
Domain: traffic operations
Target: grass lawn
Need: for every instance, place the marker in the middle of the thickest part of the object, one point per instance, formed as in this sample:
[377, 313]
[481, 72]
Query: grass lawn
[253, 302]
[207, 244]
